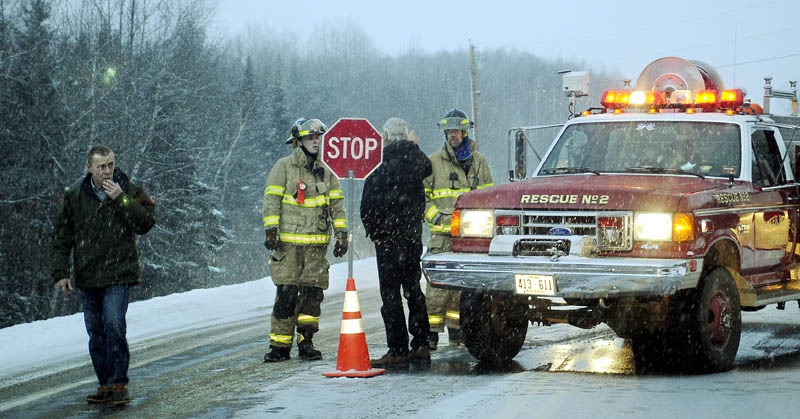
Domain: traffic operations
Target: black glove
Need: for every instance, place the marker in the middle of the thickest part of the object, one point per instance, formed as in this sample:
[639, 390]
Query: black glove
[341, 244]
[271, 241]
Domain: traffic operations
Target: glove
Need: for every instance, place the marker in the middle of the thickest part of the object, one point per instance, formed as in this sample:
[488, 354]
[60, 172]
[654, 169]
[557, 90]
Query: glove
[271, 241]
[340, 248]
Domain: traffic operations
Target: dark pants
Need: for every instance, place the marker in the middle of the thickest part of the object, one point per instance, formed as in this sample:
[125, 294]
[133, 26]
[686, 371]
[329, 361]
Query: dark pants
[104, 314]
[398, 266]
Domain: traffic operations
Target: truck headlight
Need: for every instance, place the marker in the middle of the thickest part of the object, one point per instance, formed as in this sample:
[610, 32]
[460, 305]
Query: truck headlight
[476, 223]
[652, 226]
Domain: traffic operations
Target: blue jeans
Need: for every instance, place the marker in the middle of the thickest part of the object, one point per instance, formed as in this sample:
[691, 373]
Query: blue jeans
[104, 314]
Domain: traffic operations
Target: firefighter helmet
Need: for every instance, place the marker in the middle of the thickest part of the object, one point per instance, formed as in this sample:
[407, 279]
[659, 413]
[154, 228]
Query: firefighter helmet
[455, 119]
[304, 127]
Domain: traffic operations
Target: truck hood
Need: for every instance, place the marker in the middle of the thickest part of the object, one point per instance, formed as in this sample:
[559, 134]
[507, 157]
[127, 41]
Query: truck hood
[600, 192]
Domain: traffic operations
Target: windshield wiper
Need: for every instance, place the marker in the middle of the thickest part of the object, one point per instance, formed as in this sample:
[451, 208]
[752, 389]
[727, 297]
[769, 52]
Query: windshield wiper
[662, 170]
[559, 170]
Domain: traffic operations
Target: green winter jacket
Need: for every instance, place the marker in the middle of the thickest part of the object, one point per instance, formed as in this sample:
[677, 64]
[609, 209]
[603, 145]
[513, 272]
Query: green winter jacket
[446, 184]
[101, 236]
[303, 218]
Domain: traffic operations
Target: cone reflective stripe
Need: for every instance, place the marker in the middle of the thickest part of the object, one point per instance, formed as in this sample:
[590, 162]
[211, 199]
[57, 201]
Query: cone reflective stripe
[353, 358]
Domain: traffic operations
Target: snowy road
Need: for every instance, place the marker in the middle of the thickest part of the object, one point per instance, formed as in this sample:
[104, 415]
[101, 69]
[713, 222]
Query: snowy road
[214, 368]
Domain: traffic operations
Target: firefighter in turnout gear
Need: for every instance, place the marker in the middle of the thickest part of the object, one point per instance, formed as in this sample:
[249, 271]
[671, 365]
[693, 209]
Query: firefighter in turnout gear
[303, 202]
[457, 168]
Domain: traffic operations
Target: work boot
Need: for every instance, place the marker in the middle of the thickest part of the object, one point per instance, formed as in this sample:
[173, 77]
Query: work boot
[102, 395]
[306, 350]
[277, 354]
[392, 359]
[119, 395]
[454, 336]
[421, 354]
[433, 341]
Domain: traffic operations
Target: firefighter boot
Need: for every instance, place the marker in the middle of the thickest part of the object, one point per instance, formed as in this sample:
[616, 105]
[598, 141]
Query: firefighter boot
[433, 341]
[306, 350]
[277, 354]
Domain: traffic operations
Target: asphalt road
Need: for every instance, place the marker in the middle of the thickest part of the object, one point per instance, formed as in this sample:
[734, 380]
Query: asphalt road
[219, 372]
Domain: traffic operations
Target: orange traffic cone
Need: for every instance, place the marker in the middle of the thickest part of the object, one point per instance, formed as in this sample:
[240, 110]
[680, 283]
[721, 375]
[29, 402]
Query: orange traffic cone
[353, 358]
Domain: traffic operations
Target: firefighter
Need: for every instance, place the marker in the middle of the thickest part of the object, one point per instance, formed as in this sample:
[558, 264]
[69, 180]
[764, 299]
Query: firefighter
[457, 168]
[302, 201]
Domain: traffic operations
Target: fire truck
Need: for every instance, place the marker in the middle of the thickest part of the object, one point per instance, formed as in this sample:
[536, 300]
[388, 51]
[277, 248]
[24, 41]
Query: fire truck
[664, 214]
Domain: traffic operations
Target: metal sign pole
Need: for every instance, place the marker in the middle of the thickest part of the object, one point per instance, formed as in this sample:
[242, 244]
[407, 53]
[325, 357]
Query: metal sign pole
[351, 180]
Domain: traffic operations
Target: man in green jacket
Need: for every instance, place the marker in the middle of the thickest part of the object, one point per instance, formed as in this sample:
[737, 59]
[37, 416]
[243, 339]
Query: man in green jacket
[457, 168]
[97, 225]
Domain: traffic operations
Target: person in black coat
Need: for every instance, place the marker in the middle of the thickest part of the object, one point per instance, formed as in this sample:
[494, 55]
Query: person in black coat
[392, 208]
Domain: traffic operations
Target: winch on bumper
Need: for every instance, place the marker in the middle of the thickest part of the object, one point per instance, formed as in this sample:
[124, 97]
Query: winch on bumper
[576, 275]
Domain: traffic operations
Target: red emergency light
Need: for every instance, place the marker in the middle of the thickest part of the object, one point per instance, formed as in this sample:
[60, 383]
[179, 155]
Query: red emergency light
[731, 99]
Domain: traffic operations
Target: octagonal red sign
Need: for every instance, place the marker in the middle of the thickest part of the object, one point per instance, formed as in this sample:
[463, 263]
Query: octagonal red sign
[352, 144]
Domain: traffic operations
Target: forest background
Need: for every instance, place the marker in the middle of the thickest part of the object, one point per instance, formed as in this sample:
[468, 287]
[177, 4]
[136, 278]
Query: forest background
[198, 119]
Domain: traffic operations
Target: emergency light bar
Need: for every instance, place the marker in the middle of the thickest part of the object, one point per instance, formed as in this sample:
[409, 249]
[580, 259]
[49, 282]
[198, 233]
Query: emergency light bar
[617, 100]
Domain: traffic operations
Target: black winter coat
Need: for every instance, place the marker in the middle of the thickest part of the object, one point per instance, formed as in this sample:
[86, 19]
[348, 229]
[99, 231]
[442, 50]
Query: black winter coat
[393, 202]
[101, 236]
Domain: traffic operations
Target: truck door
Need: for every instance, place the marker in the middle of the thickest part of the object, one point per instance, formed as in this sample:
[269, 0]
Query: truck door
[774, 204]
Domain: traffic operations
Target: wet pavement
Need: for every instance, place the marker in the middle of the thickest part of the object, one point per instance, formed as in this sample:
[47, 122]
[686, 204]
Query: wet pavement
[219, 372]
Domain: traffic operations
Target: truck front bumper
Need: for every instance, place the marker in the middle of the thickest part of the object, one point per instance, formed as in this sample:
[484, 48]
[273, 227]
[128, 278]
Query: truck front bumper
[574, 276]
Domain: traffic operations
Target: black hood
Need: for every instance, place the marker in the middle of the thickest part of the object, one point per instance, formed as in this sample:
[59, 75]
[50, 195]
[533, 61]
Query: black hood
[404, 161]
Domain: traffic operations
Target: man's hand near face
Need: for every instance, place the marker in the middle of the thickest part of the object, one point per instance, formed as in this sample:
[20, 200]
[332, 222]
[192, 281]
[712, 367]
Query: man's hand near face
[65, 286]
[112, 188]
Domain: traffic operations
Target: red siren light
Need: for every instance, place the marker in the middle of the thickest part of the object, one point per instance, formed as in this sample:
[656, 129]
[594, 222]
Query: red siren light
[731, 99]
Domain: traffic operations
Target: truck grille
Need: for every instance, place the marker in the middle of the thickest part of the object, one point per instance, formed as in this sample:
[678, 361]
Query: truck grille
[611, 230]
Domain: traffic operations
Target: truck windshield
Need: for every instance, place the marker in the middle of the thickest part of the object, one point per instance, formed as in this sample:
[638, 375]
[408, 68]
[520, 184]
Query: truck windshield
[703, 148]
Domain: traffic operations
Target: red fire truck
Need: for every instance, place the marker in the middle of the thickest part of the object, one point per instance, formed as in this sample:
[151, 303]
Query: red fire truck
[663, 214]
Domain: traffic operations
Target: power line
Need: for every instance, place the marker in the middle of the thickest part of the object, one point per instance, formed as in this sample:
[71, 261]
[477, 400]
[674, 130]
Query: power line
[760, 60]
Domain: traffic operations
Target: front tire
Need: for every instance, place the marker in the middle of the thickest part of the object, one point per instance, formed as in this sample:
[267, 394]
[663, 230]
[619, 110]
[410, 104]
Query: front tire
[493, 327]
[710, 323]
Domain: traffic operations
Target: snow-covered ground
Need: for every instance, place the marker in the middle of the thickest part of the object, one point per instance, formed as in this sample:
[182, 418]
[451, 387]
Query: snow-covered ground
[46, 346]
[547, 381]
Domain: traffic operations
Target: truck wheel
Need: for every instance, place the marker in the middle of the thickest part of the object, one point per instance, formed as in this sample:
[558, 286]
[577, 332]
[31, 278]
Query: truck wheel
[712, 323]
[493, 327]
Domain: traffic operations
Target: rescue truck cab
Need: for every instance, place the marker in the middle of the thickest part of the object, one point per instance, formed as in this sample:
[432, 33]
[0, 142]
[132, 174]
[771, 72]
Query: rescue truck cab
[663, 214]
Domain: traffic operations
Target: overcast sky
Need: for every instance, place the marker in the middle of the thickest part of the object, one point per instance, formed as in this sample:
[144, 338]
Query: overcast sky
[743, 39]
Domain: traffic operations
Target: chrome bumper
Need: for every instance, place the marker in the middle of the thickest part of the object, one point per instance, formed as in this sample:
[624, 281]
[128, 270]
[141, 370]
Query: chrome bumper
[575, 276]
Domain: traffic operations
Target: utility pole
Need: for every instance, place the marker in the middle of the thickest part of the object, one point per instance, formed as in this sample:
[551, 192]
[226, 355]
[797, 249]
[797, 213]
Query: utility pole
[475, 92]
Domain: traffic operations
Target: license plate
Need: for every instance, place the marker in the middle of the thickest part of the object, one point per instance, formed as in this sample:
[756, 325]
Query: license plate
[534, 284]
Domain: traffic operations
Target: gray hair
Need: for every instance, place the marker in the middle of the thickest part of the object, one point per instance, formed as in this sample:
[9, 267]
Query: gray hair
[395, 129]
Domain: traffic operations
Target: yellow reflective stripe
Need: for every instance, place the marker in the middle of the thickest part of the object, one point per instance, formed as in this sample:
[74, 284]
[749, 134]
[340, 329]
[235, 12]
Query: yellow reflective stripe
[453, 315]
[340, 223]
[287, 339]
[305, 318]
[430, 215]
[440, 228]
[435, 319]
[305, 238]
[486, 185]
[319, 201]
[448, 193]
[271, 220]
[428, 191]
[274, 190]
[336, 194]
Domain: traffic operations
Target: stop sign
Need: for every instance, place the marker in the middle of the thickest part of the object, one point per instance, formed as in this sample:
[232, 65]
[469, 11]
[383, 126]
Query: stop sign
[352, 144]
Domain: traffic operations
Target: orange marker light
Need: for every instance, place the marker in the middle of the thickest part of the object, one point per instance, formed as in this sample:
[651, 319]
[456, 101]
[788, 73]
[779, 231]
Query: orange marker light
[455, 224]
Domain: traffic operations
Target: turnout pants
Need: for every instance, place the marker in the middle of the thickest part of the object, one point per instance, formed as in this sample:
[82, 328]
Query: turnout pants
[399, 268]
[443, 305]
[301, 274]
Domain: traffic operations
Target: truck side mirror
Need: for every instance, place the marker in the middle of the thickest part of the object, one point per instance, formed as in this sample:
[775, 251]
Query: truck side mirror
[520, 156]
[794, 163]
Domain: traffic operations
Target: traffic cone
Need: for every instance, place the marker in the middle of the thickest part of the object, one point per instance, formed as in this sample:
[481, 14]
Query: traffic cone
[353, 358]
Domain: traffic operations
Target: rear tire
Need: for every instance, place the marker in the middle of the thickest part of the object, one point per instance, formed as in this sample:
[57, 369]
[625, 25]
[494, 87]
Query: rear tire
[493, 327]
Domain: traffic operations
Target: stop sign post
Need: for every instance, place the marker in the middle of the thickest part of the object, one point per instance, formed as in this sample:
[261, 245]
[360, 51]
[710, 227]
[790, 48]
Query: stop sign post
[352, 149]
